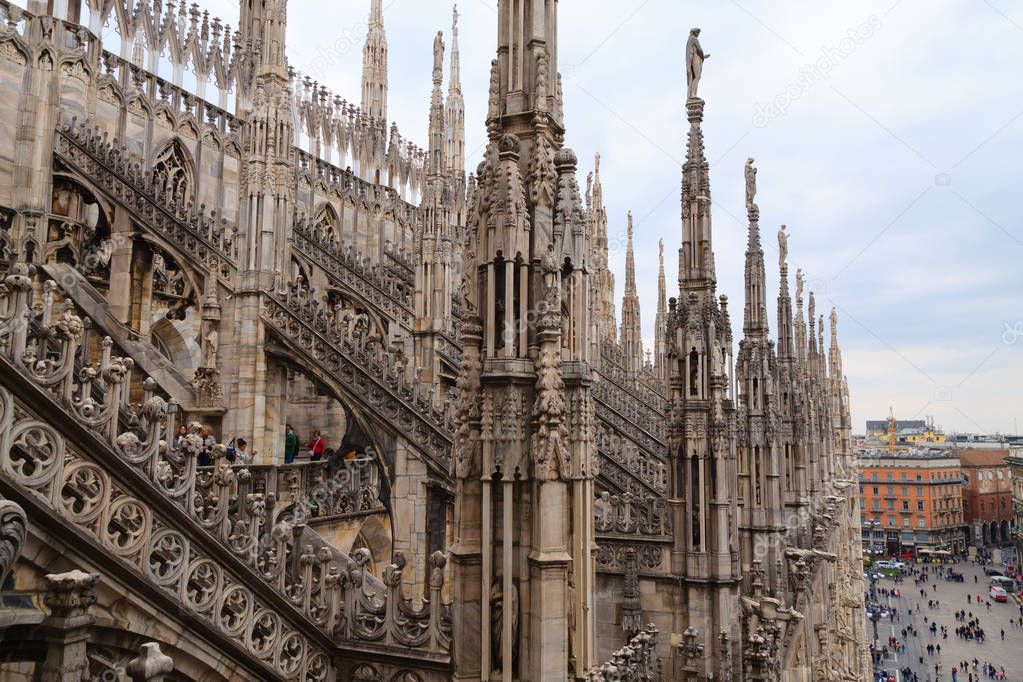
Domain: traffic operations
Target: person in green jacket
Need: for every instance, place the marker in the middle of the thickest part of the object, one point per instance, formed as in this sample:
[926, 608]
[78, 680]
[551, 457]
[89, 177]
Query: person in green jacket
[290, 444]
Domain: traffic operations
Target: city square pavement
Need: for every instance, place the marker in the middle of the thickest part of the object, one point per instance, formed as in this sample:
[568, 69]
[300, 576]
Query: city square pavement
[952, 597]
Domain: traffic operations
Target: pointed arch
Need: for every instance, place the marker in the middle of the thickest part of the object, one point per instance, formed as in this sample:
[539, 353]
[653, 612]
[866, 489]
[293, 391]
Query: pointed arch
[328, 222]
[174, 173]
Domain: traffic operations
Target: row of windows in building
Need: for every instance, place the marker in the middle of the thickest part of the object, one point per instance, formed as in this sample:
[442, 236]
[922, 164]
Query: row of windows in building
[903, 476]
[891, 520]
[944, 503]
[940, 490]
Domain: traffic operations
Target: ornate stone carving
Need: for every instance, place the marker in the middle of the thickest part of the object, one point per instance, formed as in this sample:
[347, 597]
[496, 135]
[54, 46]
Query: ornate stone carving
[150, 665]
[551, 457]
[13, 532]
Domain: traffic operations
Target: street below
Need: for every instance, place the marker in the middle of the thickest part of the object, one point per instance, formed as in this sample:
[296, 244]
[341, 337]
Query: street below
[918, 621]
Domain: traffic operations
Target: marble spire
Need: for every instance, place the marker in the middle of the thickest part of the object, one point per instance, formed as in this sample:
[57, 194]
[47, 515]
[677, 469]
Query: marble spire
[374, 65]
[631, 332]
[454, 107]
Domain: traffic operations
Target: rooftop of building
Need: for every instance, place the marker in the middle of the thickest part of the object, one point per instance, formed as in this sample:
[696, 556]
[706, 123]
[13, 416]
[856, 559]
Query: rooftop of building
[907, 458]
[982, 457]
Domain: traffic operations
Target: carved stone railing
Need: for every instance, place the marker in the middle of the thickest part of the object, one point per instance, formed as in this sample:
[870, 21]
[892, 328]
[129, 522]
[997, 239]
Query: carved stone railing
[645, 426]
[371, 377]
[641, 385]
[635, 662]
[626, 516]
[628, 462]
[207, 537]
[323, 488]
[197, 235]
[343, 265]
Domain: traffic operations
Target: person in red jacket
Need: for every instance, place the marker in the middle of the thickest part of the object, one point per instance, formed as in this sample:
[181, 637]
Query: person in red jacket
[317, 446]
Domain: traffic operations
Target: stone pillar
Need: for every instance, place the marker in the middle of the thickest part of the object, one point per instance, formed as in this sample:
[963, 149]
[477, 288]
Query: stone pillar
[119, 296]
[151, 665]
[408, 502]
[69, 596]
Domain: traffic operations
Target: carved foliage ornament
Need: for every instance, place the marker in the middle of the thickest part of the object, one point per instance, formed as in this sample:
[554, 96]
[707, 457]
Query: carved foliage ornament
[551, 456]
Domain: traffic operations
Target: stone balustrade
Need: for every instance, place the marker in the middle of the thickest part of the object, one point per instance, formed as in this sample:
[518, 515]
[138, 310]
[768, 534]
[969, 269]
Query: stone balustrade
[342, 264]
[198, 233]
[628, 515]
[124, 480]
[361, 367]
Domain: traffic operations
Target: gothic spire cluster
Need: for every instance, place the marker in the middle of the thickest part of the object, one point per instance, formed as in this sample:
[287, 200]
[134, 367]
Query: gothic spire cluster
[458, 332]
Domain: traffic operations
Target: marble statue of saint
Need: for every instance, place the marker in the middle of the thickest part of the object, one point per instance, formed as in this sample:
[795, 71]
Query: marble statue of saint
[783, 246]
[438, 56]
[463, 293]
[209, 349]
[498, 603]
[799, 284]
[751, 182]
[694, 61]
[549, 266]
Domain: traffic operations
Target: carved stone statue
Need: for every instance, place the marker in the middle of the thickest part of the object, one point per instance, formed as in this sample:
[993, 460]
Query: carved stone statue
[799, 284]
[497, 605]
[751, 182]
[209, 349]
[438, 56]
[464, 293]
[694, 61]
[549, 267]
[783, 246]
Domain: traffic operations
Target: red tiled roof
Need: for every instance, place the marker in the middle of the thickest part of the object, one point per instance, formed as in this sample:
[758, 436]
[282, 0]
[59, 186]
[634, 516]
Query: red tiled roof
[982, 458]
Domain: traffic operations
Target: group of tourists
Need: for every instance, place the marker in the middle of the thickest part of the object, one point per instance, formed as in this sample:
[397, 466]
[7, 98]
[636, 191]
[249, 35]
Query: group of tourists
[238, 451]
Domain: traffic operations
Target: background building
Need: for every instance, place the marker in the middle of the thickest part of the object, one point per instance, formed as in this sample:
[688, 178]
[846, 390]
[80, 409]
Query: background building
[911, 501]
[1015, 462]
[987, 496]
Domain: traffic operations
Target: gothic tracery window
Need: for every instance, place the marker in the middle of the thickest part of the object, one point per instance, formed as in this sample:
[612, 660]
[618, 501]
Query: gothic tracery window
[327, 225]
[172, 180]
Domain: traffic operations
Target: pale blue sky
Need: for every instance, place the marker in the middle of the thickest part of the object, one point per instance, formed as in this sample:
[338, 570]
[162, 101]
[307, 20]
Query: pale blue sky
[896, 171]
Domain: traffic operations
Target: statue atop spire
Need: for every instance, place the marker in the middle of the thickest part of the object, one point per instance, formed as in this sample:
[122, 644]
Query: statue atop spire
[751, 183]
[783, 247]
[695, 57]
[454, 106]
[438, 57]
